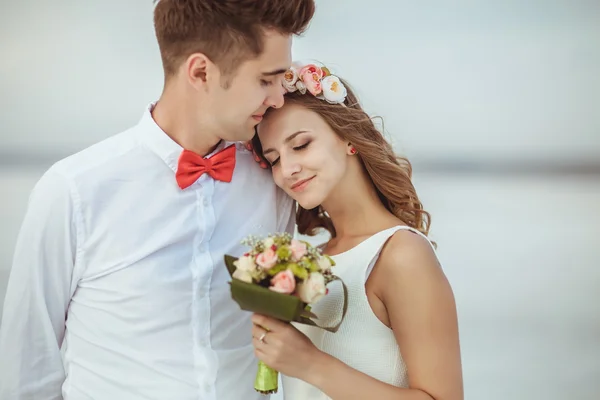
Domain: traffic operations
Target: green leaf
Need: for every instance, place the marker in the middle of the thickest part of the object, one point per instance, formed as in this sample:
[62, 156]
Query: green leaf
[229, 260]
[257, 299]
[330, 260]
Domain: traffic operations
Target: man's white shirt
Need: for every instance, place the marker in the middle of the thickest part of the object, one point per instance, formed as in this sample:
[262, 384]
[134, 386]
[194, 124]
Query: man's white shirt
[118, 288]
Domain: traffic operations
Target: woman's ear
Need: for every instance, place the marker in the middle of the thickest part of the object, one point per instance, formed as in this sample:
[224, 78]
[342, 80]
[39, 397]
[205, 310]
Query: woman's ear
[351, 150]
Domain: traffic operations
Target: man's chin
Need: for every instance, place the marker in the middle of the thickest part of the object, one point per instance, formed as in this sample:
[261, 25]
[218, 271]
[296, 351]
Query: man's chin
[241, 136]
[249, 137]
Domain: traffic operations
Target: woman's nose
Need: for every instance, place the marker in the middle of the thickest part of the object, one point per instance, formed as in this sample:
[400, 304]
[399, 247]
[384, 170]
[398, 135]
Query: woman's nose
[289, 167]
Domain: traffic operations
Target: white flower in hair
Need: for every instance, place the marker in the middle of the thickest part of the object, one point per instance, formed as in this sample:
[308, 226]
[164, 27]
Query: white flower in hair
[334, 90]
[289, 80]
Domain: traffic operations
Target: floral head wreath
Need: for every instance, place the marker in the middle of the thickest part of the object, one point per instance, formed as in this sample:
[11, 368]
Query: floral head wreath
[316, 80]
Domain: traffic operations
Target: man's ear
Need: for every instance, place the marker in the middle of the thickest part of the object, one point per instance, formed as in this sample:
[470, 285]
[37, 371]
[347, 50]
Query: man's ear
[198, 69]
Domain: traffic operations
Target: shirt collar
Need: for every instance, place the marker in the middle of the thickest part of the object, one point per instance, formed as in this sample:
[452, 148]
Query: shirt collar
[166, 148]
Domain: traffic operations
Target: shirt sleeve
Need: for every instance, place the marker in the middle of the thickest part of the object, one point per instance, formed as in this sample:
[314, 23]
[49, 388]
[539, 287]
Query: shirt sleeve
[286, 213]
[38, 294]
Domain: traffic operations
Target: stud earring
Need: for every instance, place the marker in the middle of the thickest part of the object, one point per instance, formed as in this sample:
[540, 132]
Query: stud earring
[353, 150]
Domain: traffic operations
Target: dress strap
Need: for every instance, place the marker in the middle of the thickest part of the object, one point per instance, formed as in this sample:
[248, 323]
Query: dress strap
[382, 237]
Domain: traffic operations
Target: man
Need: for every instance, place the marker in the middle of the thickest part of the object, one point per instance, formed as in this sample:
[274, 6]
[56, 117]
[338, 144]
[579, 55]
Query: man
[118, 289]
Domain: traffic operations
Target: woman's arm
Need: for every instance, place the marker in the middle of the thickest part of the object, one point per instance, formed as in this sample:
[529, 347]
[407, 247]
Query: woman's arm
[422, 313]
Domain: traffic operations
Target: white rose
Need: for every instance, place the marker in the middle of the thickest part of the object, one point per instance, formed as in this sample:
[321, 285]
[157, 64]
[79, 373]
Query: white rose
[245, 263]
[324, 263]
[289, 80]
[334, 90]
[242, 275]
[268, 242]
[312, 289]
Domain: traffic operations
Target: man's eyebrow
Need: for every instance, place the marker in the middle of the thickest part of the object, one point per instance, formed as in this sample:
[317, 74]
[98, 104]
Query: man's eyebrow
[275, 72]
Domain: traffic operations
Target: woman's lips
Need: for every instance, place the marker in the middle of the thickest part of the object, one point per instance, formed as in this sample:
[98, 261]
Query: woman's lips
[301, 185]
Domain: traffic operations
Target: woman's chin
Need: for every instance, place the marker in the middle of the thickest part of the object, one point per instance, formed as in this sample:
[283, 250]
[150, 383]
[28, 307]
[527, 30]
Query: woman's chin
[307, 199]
[307, 203]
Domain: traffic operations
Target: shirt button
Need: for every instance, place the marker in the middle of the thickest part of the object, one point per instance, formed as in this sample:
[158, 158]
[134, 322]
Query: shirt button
[205, 202]
[207, 387]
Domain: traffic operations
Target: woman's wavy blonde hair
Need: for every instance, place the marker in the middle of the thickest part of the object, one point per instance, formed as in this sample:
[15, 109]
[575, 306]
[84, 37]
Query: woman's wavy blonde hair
[389, 173]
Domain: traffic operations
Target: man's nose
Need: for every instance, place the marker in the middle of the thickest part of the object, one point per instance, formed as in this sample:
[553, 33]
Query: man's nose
[276, 99]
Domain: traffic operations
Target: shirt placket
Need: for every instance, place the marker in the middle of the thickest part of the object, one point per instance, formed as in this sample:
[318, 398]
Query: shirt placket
[205, 358]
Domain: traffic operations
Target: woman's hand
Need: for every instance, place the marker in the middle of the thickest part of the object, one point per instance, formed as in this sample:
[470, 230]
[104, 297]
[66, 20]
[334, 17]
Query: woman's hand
[260, 162]
[283, 347]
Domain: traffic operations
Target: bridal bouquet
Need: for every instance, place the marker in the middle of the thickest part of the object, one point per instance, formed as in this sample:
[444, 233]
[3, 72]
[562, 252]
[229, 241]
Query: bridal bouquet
[280, 277]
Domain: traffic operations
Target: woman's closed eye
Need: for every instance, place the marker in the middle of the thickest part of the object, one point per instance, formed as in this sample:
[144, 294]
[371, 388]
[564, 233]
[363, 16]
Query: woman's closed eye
[302, 147]
[296, 148]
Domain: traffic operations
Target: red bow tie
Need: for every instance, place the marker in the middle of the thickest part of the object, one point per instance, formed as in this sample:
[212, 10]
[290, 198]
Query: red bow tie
[191, 166]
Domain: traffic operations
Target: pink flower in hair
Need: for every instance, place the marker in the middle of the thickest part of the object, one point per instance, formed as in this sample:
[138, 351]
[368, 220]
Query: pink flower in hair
[312, 81]
[313, 69]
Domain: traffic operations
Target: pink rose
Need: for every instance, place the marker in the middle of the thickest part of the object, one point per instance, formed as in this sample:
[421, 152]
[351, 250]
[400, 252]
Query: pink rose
[283, 282]
[267, 259]
[298, 249]
[312, 82]
[312, 69]
[313, 288]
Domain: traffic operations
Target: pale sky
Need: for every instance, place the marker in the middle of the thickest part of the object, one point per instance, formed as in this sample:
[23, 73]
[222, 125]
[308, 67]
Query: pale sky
[464, 79]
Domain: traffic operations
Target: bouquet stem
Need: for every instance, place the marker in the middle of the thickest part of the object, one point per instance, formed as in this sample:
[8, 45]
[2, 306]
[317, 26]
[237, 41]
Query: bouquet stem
[266, 381]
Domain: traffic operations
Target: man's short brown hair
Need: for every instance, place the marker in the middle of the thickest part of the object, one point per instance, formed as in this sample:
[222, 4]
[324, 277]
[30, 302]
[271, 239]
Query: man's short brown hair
[226, 31]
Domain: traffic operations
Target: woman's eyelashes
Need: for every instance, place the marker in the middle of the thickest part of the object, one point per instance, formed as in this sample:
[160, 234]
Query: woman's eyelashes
[302, 147]
[295, 148]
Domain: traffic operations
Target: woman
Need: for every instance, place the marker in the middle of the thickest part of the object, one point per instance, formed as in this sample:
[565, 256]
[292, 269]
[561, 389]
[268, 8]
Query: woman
[399, 339]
